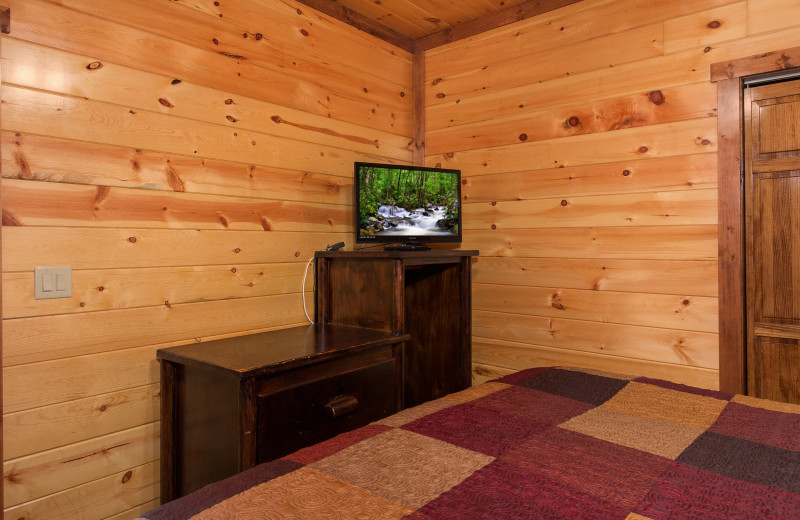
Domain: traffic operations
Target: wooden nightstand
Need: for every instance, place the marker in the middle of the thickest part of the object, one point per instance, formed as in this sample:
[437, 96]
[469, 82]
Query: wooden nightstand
[230, 404]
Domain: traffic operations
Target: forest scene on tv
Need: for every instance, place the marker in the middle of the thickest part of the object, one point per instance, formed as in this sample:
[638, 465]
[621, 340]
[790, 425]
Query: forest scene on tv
[397, 202]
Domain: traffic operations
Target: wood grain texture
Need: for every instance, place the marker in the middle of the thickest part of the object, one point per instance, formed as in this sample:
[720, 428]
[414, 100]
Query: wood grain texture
[694, 277]
[642, 109]
[682, 172]
[691, 313]
[29, 111]
[642, 243]
[669, 139]
[669, 208]
[106, 40]
[40, 158]
[107, 289]
[33, 477]
[138, 90]
[27, 247]
[638, 342]
[603, 52]
[43, 338]
[517, 356]
[98, 498]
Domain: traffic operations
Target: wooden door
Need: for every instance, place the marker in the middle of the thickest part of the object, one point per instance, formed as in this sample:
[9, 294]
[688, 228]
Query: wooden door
[772, 212]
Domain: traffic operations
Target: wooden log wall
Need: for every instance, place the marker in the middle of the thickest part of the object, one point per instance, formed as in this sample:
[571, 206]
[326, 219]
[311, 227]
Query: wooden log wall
[587, 137]
[186, 158]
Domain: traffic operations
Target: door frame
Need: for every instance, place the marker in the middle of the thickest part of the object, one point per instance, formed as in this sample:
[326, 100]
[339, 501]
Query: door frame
[728, 76]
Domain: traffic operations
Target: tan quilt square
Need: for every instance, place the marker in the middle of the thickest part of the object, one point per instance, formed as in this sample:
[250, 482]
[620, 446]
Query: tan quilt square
[305, 494]
[765, 404]
[476, 392]
[664, 404]
[412, 414]
[645, 434]
[403, 467]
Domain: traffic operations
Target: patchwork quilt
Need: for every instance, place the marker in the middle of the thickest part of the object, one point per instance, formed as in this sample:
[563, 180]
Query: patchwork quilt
[544, 443]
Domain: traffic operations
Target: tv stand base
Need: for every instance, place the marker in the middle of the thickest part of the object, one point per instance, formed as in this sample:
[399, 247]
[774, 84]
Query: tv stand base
[407, 247]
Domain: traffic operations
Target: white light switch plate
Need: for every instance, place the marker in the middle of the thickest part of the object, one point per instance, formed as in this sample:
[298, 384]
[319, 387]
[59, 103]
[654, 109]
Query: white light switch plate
[52, 282]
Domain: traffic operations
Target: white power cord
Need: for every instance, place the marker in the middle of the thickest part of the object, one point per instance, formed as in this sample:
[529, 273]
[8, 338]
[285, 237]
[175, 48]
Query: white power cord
[303, 293]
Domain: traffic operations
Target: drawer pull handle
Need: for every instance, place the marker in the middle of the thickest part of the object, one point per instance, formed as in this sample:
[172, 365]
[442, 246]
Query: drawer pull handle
[340, 406]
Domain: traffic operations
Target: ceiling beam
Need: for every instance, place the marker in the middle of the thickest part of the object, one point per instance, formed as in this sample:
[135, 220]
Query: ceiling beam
[361, 22]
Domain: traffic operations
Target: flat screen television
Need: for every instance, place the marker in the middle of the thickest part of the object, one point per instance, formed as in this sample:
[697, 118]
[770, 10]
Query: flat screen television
[407, 205]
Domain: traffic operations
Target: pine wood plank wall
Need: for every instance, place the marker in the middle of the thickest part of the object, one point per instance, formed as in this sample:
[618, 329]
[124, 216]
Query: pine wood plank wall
[186, 160]
[587, 137]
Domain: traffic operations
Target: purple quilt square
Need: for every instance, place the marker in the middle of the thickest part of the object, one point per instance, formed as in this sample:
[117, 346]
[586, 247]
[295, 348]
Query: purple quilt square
[691, 493]
[579, 386]
[508, 491]
[477, 429]
[778, 429]
[533, 404]
[744, 460]
[616, 474]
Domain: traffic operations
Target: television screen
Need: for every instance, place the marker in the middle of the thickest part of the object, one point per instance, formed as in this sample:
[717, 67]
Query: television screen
[409, 204]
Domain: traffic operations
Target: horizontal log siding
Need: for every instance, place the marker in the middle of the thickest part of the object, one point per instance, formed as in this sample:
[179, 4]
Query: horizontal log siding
[186, 160]
[587, 139]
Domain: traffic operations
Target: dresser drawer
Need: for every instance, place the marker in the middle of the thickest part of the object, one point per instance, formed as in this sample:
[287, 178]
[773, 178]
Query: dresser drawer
[312, 412]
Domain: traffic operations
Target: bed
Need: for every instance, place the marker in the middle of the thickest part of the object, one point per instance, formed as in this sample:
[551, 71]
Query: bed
[543, 443]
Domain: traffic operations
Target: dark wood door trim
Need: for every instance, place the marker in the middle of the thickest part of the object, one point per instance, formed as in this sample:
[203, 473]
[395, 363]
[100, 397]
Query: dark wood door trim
[728, 77]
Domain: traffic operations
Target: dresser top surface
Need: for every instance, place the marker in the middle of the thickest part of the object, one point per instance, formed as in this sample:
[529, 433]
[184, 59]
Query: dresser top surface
[278, 350]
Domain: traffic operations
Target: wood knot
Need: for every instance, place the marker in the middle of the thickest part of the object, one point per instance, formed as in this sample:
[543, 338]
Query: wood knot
[440, 95]
[127, 476]
[233, 269]
[643, 149]
[626, 172]
[436, 82]
[494, 203]
[237, 250]
[494, 226]
[296, 254]
[523, 137]
[564, 202]
[402, 94]
[464, 181]
[229, 101]
[657, 97]
[449, 155]
[231, 119]
[95, 65]
[101, 288]
[167, 304]
[132, 240]
[175, 81]
[103, 408]
[573, 121]
[714, 24]
[165, 102]
[303, 32]
[707, 49]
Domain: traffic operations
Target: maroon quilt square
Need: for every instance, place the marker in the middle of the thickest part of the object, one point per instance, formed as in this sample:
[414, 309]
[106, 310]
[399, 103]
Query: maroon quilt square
[533, 404]
[579, 386]
[327, 448]
[477, 429]
[522, 375]
[608, 471]
[508, 491]
[691, 493]
[744, 460]
[747, 422]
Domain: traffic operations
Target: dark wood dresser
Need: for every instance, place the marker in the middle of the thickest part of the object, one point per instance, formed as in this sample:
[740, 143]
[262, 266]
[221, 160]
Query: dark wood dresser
[426, 294]
[230, 404]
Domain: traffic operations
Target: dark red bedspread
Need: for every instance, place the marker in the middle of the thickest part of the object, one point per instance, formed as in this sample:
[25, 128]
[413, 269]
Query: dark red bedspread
[545, 443]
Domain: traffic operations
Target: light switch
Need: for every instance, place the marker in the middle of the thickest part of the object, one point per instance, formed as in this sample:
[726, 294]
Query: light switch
[52, 282]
